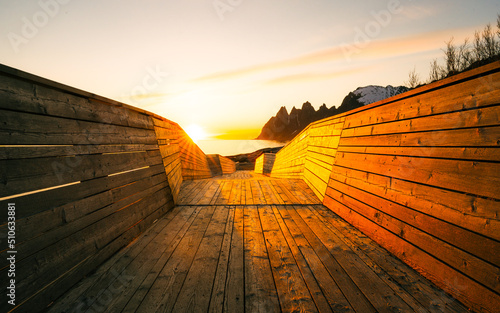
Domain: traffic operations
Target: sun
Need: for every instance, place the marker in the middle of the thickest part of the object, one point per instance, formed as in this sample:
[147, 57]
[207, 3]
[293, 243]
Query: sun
[196, 133]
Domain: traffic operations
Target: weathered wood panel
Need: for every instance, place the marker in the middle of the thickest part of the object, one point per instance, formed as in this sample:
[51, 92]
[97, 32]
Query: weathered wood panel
[310, 155]
[214, 164]
[266, 258]
[193, 160]
[220, 165]
[87, 176]
[264, 163]
[418, 173]
[228, 166]
[167, 134]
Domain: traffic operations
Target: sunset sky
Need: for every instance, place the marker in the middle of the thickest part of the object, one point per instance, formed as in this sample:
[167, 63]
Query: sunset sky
[229, 65]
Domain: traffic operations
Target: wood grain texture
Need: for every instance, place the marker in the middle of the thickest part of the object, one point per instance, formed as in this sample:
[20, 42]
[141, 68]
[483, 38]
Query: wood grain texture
[88, 176]
[422, 167]
[264, 163]
[254, 257]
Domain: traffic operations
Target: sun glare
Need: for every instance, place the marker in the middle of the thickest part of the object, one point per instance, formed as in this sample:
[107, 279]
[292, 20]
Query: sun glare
[196, 133]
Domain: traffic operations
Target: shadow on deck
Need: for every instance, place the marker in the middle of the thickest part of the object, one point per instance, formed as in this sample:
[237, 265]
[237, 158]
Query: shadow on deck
[249, 243]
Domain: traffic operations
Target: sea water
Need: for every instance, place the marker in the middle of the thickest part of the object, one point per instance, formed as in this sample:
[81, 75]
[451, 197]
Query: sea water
[233, 147]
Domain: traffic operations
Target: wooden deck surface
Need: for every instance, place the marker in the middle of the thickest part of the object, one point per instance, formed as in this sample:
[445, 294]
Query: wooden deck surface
[250, 243]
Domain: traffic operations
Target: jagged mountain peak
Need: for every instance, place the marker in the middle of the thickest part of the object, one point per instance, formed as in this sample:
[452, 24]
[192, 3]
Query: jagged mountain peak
[283, 127]
[372, 93]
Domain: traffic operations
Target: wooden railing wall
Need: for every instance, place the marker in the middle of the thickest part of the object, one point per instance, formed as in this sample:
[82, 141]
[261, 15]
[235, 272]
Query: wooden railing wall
[420, 174]
[85, 174]
[220, 165]
[310, 154]
[264, 163]
[228, 166]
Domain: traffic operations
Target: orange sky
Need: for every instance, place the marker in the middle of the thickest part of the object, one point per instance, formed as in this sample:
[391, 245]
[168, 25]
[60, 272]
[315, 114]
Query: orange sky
[230, 71]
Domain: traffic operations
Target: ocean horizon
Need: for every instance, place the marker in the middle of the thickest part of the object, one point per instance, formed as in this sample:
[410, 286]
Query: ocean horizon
[233, 147]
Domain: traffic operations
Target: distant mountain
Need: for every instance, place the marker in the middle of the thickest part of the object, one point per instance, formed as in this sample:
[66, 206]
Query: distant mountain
[284, 126]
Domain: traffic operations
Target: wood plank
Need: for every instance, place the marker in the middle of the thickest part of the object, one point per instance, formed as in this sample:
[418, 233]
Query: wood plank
[449, 174]
[146, 262]
[201, 274]
[465, 137]
[192, 194]
[348, 294]
[47, 264]
[469, 292]
[223, 197]
[169, 282]
[30, 152]
[461, 93]
[391, 269]
[459, 153]
[221, 275]
[48, 205]
[444, 240]
[316, 184]
[75, 298]
[235, 195]
[277, 192]
[481, 117]
[292, 291]
[268, 192]
[33, 98]
[197, 194]
[243, 192]
[248, 193]
[286, 195]
[306, 271]
[122, 271]
[234, 297]
[142, 284]
[31, 129]
[464, 211]
[209, 194]
[260, 292]
[33, 174]
[68, 279]
[326, 282]
[102, 205]
[303, 192]
[258, 196]
[218, 192]
[380, 295]
[27, 78]
[306, 191]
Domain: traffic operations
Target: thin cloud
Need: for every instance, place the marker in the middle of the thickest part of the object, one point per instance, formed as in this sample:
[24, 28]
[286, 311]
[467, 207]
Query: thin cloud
[306, 77]
[146, 96]
[349, 51]
[316, 57]
[421, 12]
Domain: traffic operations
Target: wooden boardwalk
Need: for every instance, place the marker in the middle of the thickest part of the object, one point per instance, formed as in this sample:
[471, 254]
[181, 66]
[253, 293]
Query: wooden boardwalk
[250, 243]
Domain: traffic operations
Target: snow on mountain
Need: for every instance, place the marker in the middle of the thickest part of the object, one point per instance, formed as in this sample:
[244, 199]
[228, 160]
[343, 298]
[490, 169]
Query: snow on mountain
[284, 126]
[370, 94]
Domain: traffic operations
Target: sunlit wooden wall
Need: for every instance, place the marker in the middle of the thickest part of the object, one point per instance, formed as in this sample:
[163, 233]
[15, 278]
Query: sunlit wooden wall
[420, 174]
[264, 163]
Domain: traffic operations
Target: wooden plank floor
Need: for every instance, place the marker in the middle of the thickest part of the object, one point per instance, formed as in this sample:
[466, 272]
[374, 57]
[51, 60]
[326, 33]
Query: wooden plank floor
[253, 245]
[245, 188]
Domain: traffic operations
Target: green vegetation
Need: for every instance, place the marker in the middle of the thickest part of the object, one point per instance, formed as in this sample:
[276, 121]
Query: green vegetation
[484, 49]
